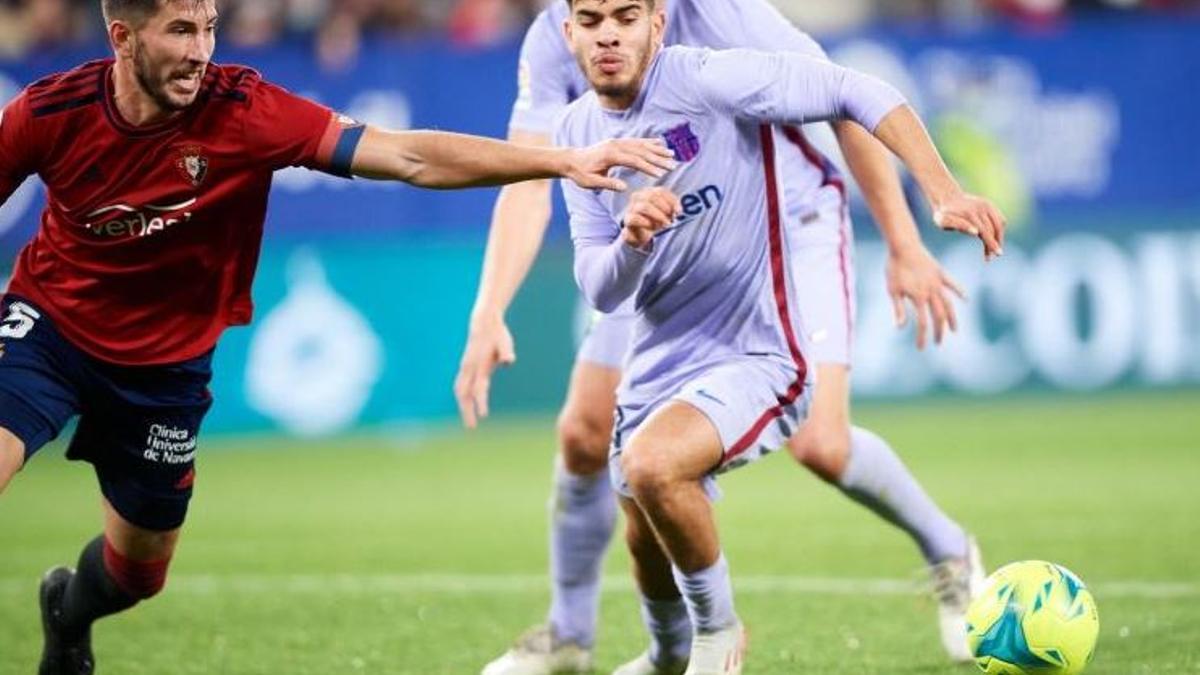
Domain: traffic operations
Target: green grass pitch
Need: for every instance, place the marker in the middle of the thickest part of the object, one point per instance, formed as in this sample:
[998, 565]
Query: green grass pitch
[424, 553]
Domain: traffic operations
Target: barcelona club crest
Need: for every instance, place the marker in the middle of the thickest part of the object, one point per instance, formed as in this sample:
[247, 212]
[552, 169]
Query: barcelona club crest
[683, 142]
[192, 164]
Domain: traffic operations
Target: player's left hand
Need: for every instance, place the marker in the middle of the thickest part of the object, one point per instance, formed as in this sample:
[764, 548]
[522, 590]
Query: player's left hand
[489, 346]
[975, 216]
[913, 275]
[588, 167]
[650, 210]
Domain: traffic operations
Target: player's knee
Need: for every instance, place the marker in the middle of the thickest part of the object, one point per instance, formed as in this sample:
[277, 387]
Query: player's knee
[140, 579]
[647, 473]
[584, 443]
[823, 449]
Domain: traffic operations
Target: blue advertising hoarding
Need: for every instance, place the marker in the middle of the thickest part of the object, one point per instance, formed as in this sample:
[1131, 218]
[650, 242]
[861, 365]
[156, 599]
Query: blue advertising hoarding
[1095, 121]
[1086, 136]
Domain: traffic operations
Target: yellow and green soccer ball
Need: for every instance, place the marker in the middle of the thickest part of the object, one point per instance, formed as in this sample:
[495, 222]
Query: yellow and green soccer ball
[1033, 618]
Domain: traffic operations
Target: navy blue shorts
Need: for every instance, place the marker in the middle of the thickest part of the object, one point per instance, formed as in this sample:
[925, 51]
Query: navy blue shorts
[137, 424]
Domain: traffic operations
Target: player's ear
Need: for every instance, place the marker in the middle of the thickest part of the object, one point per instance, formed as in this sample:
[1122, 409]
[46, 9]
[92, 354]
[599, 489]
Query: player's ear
[120, 37]
[658, 21]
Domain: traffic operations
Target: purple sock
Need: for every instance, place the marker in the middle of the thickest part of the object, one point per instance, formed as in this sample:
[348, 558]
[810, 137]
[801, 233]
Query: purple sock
[583, 515]
[709, 596]
[876, 478]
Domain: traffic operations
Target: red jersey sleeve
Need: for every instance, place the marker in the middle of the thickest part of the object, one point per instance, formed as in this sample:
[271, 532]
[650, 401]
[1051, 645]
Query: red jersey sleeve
[18, 156]
[289, 130]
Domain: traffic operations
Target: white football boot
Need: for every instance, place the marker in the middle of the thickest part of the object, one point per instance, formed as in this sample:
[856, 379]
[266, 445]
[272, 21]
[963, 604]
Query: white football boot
[955, 583]
[642, 665]
[718, 653]
[540, 652]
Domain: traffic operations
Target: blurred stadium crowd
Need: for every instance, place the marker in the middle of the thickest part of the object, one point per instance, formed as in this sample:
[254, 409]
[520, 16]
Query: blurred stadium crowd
[336, 27]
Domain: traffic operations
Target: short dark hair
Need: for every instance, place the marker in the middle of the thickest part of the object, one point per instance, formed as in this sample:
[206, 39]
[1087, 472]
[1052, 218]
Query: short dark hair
[649, 3]
[135, 12]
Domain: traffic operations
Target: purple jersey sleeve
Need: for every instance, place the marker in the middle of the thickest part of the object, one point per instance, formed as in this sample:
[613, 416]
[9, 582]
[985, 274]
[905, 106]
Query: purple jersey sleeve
[731, 24]
[544, 76]
[790, 88]
[607, 270]
[608, 274]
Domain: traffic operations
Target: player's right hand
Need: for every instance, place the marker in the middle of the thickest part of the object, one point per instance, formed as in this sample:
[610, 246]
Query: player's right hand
[489, 346]
[650, 210]
[914, 276]
[588, 167]
[975, 216]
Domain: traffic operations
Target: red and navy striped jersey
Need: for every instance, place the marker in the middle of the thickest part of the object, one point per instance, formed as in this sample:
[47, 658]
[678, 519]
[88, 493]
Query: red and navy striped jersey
[150, 237]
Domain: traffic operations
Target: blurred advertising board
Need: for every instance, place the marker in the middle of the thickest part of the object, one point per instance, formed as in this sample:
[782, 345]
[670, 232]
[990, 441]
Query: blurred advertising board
[1086, 134]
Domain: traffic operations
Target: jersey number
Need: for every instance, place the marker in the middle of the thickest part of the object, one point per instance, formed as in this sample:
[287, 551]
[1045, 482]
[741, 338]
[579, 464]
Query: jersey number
[19, 321]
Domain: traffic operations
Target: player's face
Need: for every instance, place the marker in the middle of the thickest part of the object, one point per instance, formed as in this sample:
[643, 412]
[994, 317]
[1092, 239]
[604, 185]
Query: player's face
[614, 41]
[172, 50]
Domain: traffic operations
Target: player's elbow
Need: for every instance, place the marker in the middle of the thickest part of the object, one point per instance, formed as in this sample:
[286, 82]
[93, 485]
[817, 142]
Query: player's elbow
[607, 305]
[411, 168]
[605, 279]
[607, 302]
[398, 155]
[437, 174]
[389, 156]
[604, 299]
[597, 294]
[868, 101]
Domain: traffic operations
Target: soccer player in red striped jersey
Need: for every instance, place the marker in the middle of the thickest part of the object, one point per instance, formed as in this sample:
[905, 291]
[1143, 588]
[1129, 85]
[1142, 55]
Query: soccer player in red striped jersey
[157, 165]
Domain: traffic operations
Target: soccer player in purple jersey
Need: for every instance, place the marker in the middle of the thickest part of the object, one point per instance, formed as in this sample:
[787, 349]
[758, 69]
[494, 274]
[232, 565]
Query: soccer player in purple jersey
[157, 165]
[858, 462]
[716, 374]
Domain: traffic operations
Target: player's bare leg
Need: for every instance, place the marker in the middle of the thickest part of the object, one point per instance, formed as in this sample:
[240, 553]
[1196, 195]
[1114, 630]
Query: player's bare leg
[651, 566]
[117, 570]
[582, 518]
[586, 421]
[665, 463]
[12, 457]
[864, 467]
[138, 544]
[663, 610]
[823, 443]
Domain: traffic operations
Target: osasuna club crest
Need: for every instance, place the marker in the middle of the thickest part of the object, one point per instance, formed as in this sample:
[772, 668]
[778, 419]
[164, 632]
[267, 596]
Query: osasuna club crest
[192, 164]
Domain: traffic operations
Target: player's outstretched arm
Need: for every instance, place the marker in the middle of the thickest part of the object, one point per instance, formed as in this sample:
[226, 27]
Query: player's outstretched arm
[913, 275]
[444, 160]
[519, 222]
[954, 209]
[793, 88]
